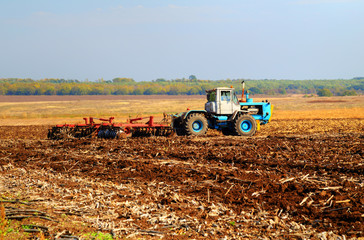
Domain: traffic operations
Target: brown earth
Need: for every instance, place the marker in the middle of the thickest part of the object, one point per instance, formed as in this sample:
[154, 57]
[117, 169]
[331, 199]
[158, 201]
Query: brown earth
[326, 101]
[298, 179]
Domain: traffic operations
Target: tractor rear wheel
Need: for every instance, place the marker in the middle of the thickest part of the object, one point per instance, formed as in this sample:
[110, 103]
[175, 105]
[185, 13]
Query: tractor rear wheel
[195, 124]
[245, 125]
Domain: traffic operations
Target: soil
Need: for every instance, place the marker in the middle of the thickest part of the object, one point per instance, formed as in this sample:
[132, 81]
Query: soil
[326, 101]
[292, 180]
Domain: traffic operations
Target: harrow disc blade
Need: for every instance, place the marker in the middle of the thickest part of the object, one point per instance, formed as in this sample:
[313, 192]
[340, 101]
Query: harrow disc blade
[166, 132]
[152, 131]
[66, 132]
[141, 132]
[57, 133]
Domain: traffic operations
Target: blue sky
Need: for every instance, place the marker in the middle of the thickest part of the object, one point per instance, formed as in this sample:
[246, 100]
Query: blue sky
[146, 40]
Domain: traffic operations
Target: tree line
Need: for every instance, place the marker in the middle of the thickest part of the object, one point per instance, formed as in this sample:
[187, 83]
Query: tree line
[190, 86]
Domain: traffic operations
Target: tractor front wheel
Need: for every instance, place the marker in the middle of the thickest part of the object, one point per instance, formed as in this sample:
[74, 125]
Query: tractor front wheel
[245, 125]
[196, 124]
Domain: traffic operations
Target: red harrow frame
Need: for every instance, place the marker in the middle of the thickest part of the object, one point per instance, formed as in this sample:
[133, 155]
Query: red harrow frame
[108, 129]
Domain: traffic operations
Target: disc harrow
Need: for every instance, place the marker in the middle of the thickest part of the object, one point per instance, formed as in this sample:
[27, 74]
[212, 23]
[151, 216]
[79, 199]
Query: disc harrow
[156, 131]
[107, 129]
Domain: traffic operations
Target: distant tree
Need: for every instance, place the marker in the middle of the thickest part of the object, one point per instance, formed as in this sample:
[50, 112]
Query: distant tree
[2, 90]
[97, 90]
[191, 86]
[150, 91]
[25, 90]
[324, 92]
[122, 90]
[282, 91]
[255, 90]
[65, 89]
[192, 77]
[292, 86]
[194, 91]
[358, 86]
[138, 90]
[50, 90]
[78, 90]
[173, 90]
[123, 80]
[160, 80]
[349, 93]
[162, 91]
[119, 91]
[107, 90]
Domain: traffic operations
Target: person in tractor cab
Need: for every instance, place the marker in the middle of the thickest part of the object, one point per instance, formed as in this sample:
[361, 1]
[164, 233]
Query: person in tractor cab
[225, 96]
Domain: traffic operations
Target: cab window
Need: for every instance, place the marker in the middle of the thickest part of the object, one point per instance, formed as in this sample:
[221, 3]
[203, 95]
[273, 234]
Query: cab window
[225, 96]
[235, 99]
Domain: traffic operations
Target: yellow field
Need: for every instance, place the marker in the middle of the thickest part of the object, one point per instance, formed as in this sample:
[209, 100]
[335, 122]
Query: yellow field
[30, 111]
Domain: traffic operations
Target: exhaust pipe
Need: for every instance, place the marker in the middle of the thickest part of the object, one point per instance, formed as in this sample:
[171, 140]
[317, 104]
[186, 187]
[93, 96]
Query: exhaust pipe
[242, 93]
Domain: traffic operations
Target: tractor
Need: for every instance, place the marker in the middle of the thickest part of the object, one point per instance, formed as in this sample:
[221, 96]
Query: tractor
[226, 113]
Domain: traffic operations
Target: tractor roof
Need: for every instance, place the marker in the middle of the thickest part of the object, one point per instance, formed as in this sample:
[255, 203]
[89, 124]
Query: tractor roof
[219, 88]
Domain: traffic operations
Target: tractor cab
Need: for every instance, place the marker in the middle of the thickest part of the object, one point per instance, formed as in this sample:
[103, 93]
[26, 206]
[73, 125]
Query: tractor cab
[222, 101]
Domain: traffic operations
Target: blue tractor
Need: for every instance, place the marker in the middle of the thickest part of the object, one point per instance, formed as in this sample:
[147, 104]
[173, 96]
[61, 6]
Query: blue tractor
[224, 112]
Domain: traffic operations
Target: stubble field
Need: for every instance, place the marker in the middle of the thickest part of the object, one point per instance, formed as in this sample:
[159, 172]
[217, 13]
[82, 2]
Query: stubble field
[300, 177]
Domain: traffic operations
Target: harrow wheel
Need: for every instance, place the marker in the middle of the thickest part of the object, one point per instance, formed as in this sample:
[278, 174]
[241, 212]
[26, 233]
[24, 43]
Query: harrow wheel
[110, 132]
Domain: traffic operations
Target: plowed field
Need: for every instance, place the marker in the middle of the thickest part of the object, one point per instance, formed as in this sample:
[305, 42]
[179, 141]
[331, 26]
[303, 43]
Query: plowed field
[301, 179]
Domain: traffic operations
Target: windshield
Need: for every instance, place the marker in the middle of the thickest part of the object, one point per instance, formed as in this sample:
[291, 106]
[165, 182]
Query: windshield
[235, 99]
